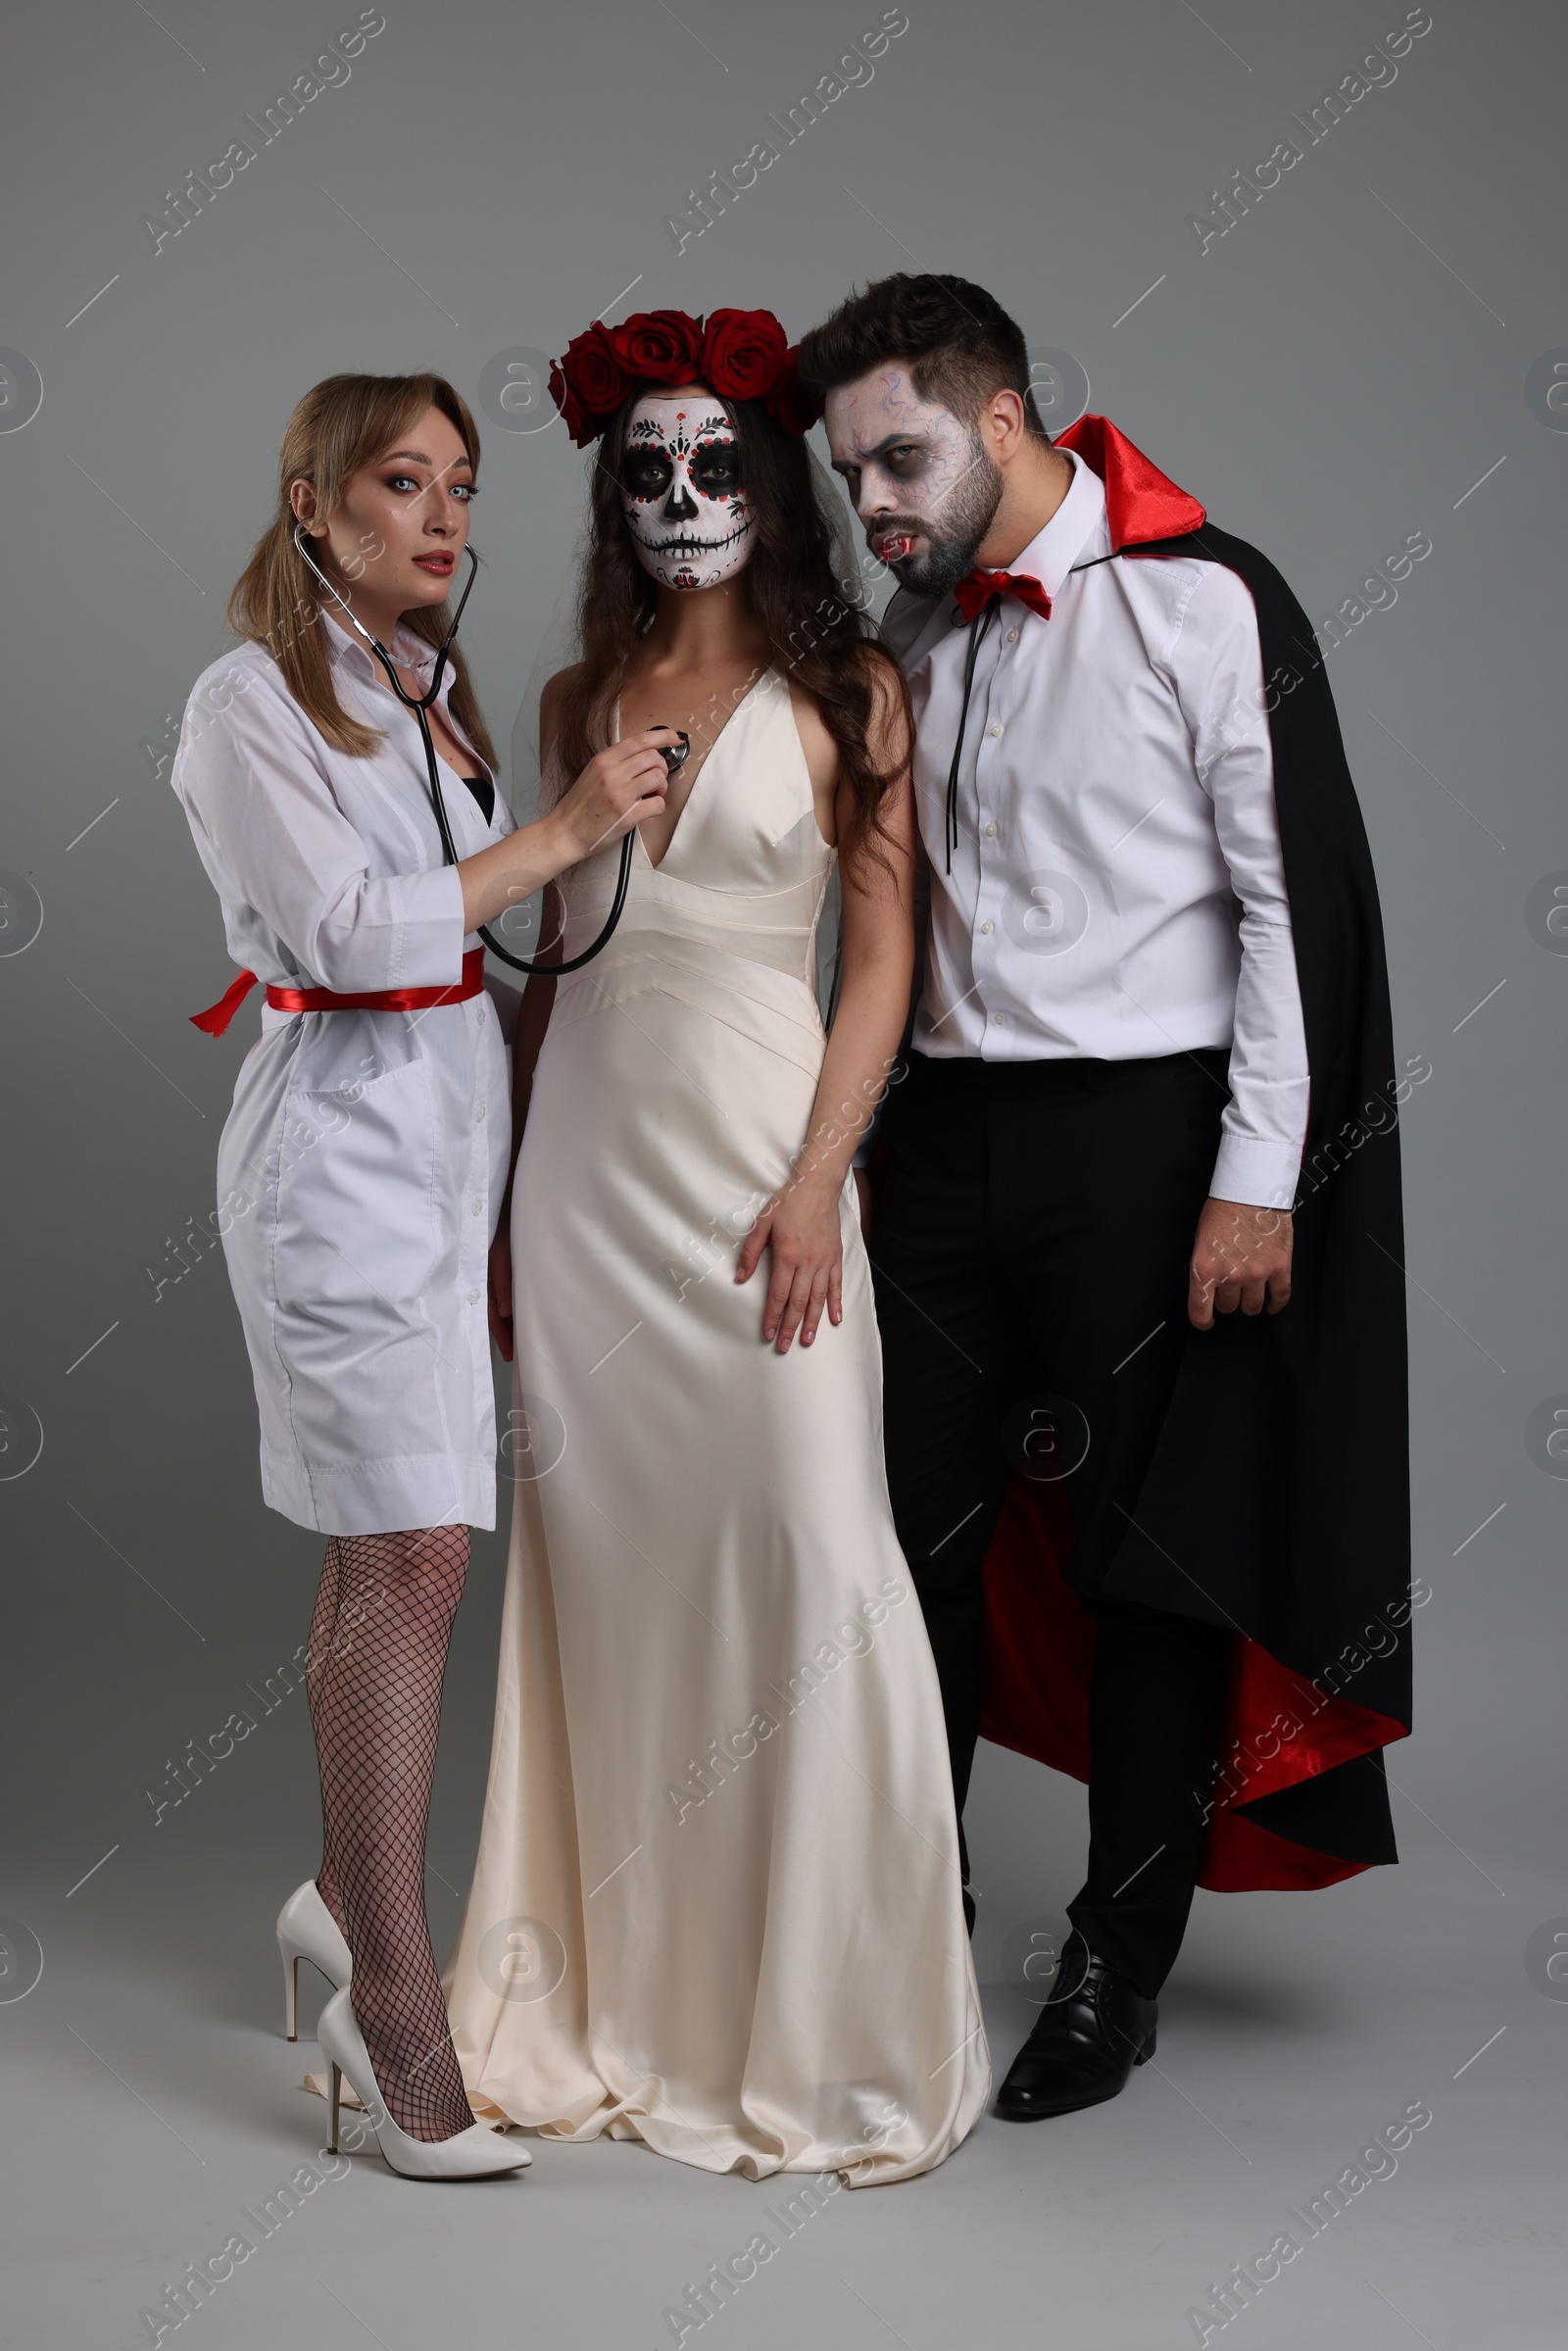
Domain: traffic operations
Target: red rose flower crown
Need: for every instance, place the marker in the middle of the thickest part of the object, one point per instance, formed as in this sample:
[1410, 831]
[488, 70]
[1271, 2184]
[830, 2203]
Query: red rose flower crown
[741, 354]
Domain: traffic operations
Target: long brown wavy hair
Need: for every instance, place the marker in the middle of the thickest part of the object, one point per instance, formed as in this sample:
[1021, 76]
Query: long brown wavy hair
[822, 639]
[340, 426]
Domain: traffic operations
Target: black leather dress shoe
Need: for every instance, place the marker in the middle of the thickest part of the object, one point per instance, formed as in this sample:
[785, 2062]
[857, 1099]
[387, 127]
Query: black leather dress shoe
[1092, 2032]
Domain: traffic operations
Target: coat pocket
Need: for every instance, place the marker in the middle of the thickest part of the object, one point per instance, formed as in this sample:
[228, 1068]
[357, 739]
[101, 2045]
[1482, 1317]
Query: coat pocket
[357, 1217]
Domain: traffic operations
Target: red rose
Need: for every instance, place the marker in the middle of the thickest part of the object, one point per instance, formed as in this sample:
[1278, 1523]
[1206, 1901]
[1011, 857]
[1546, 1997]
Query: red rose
[791, 403]
[743, 352]
[582, 428]
[662, 347]
[593, 373]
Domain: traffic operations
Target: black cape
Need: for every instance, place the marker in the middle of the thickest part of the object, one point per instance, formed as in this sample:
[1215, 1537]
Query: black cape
[1278, 1498]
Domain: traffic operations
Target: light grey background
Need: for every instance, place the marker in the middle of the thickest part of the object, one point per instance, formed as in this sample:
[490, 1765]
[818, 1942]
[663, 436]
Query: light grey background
[1346, 366]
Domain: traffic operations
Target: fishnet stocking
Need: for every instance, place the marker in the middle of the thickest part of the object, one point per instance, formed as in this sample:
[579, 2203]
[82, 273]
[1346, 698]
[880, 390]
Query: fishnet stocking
[323, 1631]
[375, 1670]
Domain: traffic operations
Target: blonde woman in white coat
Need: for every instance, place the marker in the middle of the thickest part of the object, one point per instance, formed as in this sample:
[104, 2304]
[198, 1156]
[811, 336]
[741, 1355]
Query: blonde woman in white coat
[361, 1171]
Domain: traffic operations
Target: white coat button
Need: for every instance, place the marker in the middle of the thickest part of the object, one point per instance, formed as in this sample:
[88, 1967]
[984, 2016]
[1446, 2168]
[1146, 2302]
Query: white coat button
[996, 726]
[478, 1207]
[991, 832]
[480, 1113]
[480, 1016]
[1001, 1019]
[1012, 636]
[473, 1297]
[986, 930]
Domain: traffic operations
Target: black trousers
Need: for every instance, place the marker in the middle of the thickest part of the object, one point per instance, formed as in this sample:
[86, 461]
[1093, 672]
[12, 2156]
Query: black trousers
[1030, 1251]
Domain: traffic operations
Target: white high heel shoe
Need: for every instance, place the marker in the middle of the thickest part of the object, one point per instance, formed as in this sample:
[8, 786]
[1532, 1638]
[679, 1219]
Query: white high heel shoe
[478, 2153]
[307, 1929]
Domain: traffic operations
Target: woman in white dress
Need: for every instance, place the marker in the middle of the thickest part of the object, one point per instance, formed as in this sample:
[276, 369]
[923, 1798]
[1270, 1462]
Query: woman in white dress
[362, 1166]
[717, 1902]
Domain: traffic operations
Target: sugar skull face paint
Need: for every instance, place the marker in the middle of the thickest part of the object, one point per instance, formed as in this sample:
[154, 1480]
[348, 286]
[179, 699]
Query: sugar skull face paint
[919, 478]
[681, 491]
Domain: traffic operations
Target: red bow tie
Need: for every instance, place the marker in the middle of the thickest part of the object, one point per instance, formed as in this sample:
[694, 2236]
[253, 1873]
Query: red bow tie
[976, 589]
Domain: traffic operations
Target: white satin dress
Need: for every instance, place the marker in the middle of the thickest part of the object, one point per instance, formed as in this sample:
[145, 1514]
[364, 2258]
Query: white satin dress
[717, 1905]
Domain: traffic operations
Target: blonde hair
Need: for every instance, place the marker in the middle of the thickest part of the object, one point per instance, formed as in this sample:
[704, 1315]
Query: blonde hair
[339, 426]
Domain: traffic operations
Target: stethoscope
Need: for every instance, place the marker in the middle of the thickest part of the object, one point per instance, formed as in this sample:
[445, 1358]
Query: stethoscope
[674, 757]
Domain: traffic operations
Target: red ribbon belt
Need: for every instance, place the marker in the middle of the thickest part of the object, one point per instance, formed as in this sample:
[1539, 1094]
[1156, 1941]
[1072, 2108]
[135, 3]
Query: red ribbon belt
[217, 1017]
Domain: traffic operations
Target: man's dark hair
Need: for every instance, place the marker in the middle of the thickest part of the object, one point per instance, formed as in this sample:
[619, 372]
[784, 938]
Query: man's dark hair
[959, 342]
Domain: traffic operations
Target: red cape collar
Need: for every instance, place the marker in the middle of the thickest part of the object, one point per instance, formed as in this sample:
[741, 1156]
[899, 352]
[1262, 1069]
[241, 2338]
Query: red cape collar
[1141, 503]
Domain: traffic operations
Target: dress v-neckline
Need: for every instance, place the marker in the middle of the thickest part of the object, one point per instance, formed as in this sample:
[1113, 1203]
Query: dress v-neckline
[699, 777]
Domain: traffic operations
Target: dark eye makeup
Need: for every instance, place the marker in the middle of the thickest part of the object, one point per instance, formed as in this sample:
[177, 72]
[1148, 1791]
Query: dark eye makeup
[646, 474]
[716, 469]
[468, 491]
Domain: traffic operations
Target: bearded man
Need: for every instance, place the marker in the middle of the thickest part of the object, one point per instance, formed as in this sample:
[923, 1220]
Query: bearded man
[1153, 985]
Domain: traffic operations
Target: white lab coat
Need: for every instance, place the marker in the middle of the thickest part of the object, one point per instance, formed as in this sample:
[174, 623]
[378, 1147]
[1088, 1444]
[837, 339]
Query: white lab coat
[362, 1167]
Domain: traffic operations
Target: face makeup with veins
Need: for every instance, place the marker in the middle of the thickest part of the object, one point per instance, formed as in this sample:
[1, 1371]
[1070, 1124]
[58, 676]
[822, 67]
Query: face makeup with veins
[681, 492]
[918, 476]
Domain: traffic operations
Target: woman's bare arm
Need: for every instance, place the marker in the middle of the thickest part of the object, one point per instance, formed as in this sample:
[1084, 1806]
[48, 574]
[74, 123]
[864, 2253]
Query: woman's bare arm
[800, 1222]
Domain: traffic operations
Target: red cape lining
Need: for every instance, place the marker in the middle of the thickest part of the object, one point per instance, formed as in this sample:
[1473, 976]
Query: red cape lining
[1141, 502]
[1280, 1727]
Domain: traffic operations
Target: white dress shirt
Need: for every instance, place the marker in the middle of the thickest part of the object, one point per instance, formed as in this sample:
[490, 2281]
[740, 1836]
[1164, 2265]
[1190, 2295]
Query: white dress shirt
[362, 1166]
[1117, 889]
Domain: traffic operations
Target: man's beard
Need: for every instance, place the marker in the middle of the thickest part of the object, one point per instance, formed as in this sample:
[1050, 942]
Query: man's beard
[967, 513]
